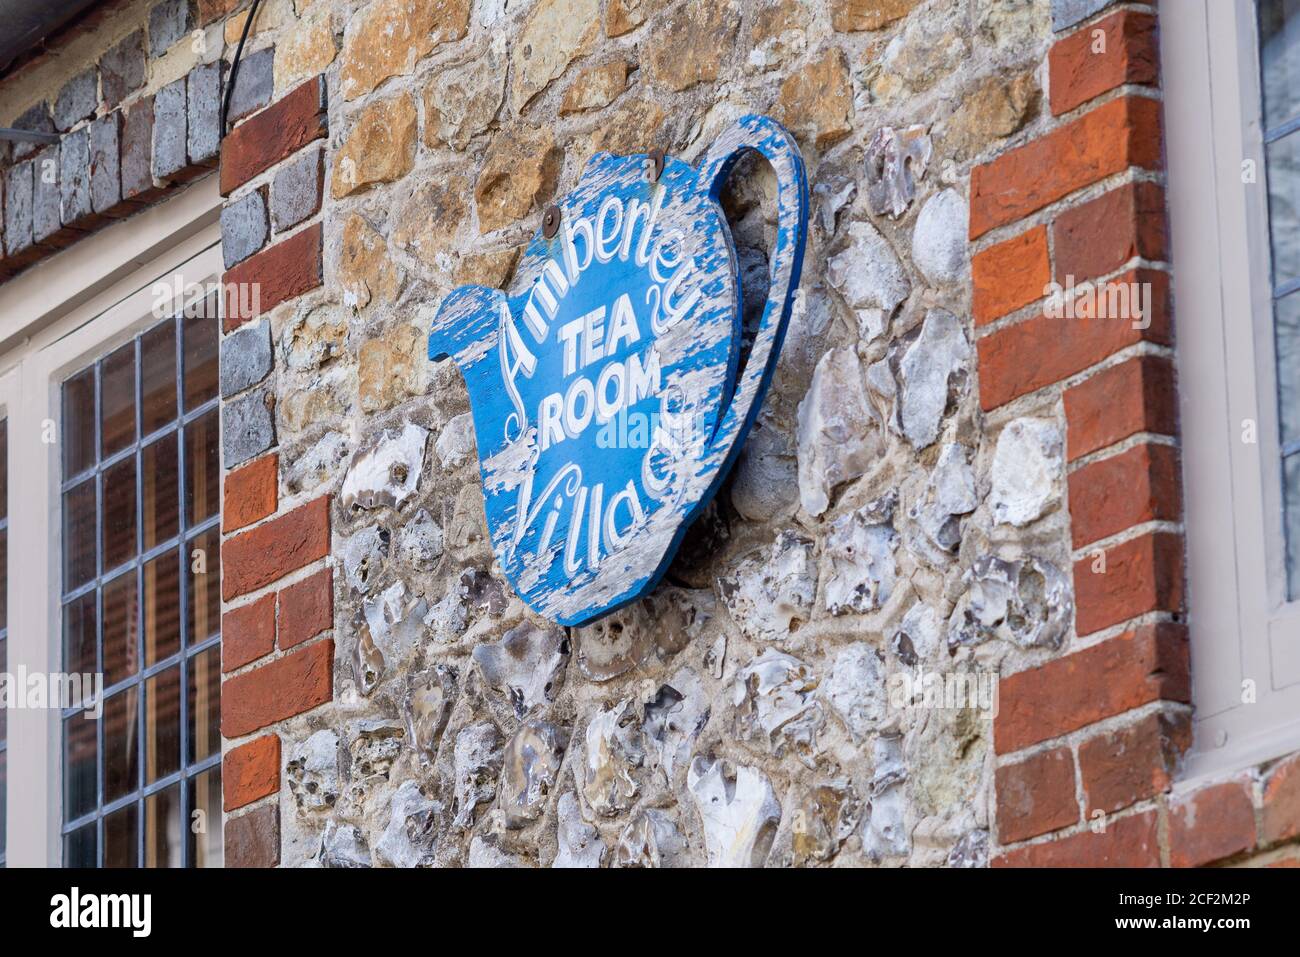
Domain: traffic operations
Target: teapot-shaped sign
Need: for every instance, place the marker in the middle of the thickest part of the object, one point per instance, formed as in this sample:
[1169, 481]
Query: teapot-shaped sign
[608, 399]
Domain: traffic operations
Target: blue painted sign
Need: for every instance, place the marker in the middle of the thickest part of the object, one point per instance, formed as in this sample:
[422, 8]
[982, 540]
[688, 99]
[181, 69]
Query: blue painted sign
[608, 399]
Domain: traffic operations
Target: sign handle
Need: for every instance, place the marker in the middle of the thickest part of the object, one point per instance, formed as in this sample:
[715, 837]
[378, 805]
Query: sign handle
[771, 140]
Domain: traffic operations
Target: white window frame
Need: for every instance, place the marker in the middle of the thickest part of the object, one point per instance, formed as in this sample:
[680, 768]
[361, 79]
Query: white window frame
[54, 320]
[9, 403]
[1243, 628]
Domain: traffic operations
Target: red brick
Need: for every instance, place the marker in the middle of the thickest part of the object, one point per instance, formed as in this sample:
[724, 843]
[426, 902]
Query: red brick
[253, 839]
[209, 10]
[1095, 239]
[1105, 141]
[1117, 675]
[1130, 764]
[1029, 355]
[1112, 494]
[286, 543]
[1128, 842]
[250, 493]
[1136, 395]
[247, 633]
[1036, 796]
[280, 689]
[1083, 66]
[1010, 275]
[1211, 824]
[1141, 575]
[1281, 817]
[306, 608]
[279, 131]
[251, 771]
[278, 273]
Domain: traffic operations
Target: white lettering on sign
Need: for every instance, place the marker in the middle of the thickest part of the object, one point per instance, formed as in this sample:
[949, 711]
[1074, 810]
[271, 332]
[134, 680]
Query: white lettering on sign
[597, 386]
[603, 373]
[618, 384]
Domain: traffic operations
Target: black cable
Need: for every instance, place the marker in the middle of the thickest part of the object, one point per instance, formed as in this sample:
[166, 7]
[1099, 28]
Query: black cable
[234, 66]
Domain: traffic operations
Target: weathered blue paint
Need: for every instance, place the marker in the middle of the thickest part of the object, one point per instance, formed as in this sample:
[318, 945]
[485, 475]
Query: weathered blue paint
[635, 299]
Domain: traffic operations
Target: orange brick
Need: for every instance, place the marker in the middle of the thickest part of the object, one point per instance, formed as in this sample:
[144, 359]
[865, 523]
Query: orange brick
[1138, 485]
[276, 133]
[247, 633]
[1036, 796]
[1211, 824]
[1137, 395]
[1085, 65]
[280, 689]
[1010, 275]
[250, 493]
[1133, 763]
[1141, 575]
[251, 771]
[306, 608]
[1100, 236]
[286, 543]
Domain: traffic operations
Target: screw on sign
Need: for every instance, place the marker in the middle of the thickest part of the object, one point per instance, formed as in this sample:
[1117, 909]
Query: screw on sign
[632, 307]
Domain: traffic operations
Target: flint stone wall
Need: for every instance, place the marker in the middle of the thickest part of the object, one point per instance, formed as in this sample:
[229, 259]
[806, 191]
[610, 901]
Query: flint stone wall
[876, 523]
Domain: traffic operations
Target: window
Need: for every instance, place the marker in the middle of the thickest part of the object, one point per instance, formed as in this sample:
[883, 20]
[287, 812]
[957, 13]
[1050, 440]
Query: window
[1279, 39]
[141, 603]
[1231, 80]
[110, 398]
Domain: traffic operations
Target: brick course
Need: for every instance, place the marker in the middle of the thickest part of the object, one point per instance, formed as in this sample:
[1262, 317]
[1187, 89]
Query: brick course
[1128, 842]
[1039, 352]
[1121, 134]
[287, 686]
[1122, 673]
[259, 556]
